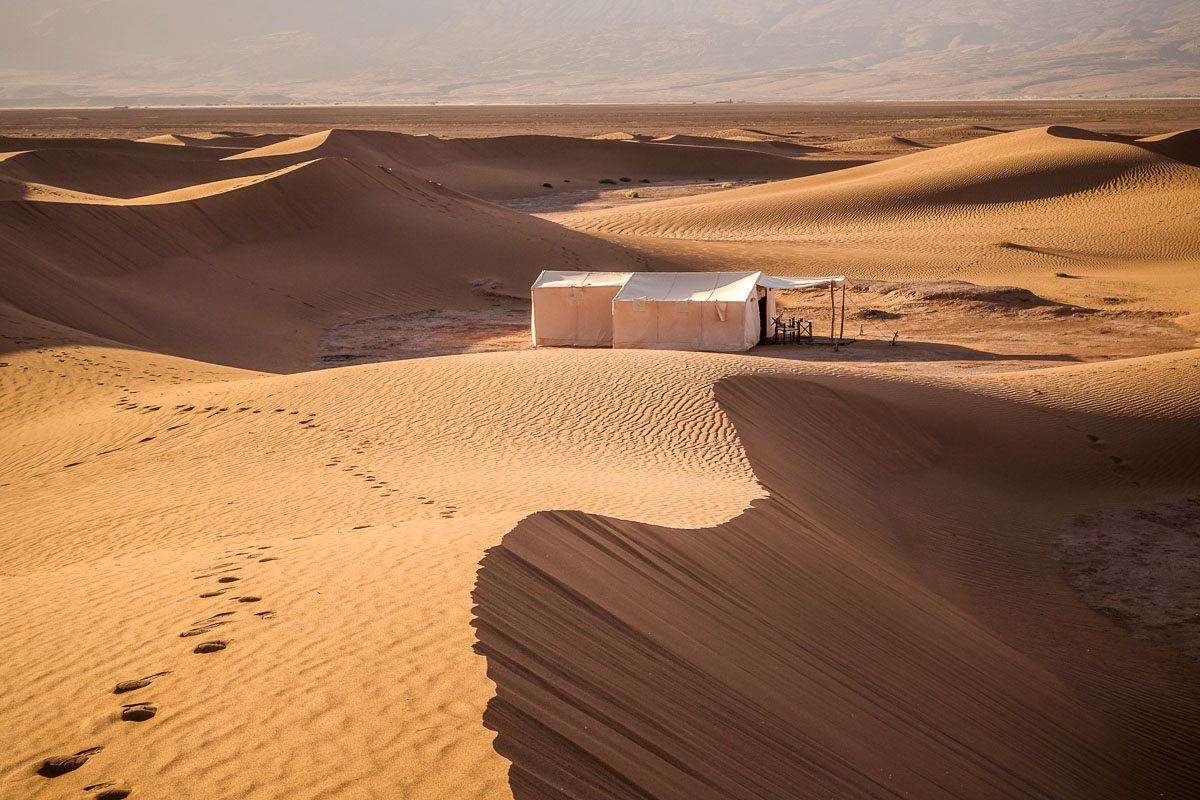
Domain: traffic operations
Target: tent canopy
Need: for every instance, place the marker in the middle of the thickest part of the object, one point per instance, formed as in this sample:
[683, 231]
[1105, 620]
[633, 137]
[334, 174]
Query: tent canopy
[774, 282]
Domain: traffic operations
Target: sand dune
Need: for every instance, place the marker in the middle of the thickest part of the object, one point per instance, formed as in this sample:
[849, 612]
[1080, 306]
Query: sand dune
[765, 675]
[120, 172]
[629, 660]
[236, 272]
[222, 139]
[1030, 193]
[513, 166]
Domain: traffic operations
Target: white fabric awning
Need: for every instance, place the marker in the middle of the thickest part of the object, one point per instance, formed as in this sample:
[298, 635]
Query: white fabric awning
[773, 282]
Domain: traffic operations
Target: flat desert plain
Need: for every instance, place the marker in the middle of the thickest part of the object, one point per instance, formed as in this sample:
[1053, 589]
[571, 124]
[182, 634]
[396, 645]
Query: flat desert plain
[291, 508]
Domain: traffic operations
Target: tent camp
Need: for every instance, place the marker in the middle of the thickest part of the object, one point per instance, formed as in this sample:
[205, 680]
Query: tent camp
[574, 309]
[717, 311]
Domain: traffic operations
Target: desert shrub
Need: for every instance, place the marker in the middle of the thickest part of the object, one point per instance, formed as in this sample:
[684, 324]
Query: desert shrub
[548, 185]
[645, 180]
[1063, 275]
[631, 195]
[626, 180]
[1005, 243]
[712, 179]
[726, 185]
[608, 180]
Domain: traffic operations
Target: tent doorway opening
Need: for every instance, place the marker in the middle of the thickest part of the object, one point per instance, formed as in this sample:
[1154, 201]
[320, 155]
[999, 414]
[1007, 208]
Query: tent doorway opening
[762, 317]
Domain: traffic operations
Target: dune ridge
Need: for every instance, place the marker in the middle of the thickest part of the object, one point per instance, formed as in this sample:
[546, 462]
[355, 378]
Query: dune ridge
[236, 272]
[770, 681]
[1040, 189]
[503, 166]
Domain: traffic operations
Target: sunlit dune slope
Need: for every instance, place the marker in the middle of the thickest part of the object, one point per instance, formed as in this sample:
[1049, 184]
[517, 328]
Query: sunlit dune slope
[355, 504]
[1058, 190]
[247, 272]
[508, 166]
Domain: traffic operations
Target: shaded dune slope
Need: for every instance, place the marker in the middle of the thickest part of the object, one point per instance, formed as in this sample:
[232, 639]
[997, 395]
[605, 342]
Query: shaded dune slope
[239, 272]
[886, 624]
[514, 165]
[1049, 187]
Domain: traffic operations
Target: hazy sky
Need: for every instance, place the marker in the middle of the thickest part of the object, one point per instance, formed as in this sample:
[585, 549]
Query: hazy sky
[591, 50]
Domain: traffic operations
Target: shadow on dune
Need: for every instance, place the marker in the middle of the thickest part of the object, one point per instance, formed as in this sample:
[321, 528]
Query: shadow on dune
[908, 351]
[889, 623]
[1180, 145]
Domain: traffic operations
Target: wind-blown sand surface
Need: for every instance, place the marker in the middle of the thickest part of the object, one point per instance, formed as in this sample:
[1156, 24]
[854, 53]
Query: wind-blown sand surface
[590, 574]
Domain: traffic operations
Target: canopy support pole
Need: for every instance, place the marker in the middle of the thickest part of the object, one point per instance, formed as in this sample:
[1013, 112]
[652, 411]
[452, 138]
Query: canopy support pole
[842, 326]
[832, 314]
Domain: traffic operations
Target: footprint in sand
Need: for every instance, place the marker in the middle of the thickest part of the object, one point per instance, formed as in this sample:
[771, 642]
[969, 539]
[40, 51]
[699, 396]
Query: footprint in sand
[108, 791]
[228, 579]
[248, 599]
[216, 593]
[210, 647]
[60, 765]
[138, 712]
[137, 683]
[205, 625]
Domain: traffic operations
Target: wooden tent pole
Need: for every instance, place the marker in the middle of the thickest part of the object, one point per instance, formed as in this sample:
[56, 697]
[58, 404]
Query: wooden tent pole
[842, 326]
[832, 312]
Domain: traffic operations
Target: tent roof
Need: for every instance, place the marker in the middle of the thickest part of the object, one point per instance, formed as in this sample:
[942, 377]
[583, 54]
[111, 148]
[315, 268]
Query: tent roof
[563, 280]
[695, 286]
[666, 286]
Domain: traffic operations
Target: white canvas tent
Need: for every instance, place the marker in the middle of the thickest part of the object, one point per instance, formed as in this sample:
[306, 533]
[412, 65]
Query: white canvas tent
[717, 311]
[574, 309]
[689, 311]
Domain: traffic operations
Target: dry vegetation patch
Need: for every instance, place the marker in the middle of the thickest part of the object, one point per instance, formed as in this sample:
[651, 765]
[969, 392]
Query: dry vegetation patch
[1140, 567]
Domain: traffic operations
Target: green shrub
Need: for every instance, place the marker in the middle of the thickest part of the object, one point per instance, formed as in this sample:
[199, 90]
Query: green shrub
[631, 195]
[645, 180]
[608, 180]
[548, 185]
[726, 185]
[626, 180]
[1063, 275]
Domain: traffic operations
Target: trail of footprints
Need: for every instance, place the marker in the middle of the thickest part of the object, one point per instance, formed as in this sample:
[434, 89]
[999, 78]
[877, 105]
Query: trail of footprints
[368, 476]
[227, 586]
[126, 403]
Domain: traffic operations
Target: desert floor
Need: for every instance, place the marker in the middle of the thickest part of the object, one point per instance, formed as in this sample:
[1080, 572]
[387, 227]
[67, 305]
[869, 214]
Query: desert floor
[290, 507]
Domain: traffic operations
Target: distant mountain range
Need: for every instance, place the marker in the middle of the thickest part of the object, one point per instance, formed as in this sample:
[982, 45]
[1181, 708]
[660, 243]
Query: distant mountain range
[115, 52]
